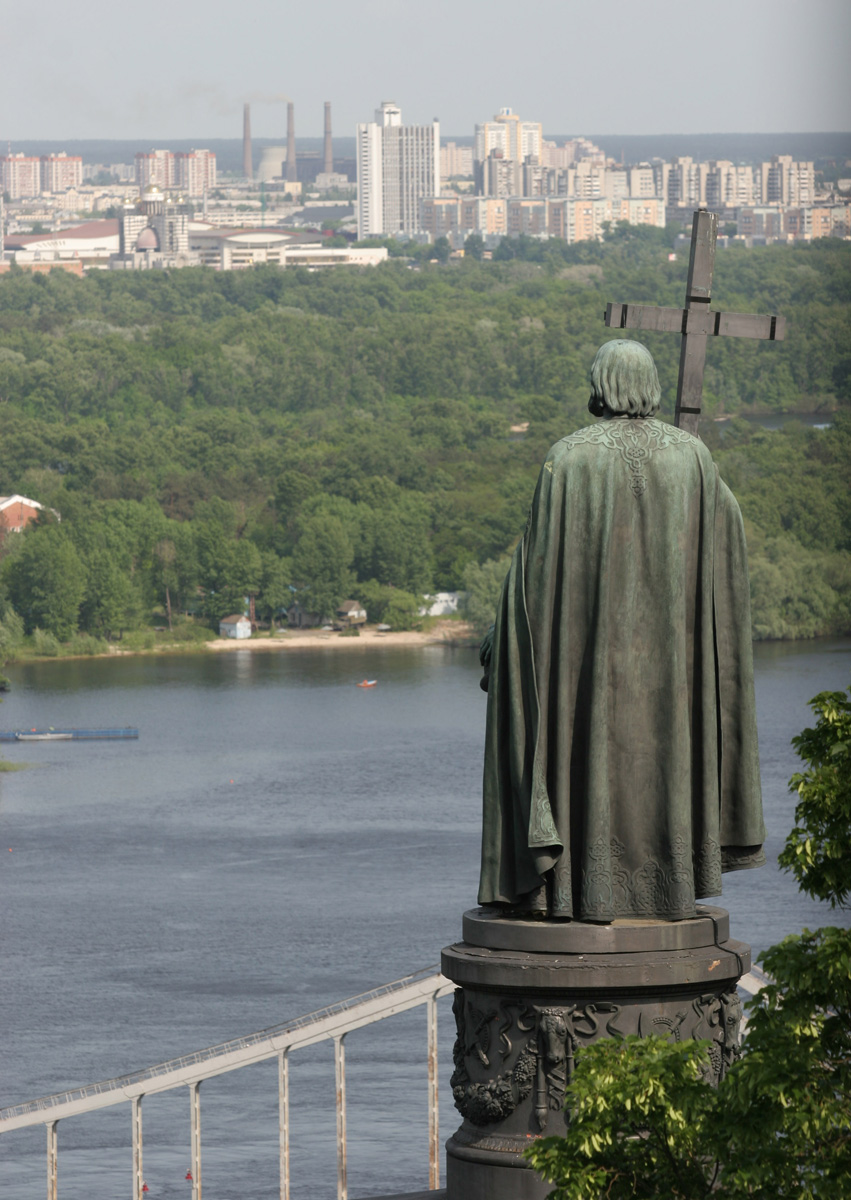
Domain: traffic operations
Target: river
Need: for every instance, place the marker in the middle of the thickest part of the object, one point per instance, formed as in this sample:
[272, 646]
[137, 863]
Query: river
[277, 839]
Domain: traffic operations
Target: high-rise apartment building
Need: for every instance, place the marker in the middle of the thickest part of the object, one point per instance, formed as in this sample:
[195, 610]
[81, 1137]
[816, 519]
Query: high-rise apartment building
[515, 138]
[21, 175]
[59, 172]
[196, 171]
[455, 160]
[398, 166]
[783, 181]
[501, 149]
[156, 167]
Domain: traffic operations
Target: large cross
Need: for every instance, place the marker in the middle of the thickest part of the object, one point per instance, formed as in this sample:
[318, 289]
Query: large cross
[696, 322]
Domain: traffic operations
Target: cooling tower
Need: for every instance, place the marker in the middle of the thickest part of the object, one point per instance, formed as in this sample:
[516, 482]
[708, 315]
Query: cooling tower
[271, 163]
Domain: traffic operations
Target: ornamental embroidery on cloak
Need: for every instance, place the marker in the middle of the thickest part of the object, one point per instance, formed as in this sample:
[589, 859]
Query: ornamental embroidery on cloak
[635, 441]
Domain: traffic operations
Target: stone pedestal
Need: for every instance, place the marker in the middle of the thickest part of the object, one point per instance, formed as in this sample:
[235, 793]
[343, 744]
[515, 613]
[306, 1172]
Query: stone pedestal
[531, 993]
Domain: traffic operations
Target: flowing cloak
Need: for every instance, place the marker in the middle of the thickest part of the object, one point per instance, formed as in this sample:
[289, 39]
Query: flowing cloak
[621, 764]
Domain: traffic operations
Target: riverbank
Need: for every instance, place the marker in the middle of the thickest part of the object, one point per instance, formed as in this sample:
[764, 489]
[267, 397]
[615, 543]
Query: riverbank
[440, 633]
[437, 633]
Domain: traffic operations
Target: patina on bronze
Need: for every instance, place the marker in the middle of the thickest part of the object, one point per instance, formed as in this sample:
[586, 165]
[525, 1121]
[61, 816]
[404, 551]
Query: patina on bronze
[532, 995]
[621, 778]
[621, 768]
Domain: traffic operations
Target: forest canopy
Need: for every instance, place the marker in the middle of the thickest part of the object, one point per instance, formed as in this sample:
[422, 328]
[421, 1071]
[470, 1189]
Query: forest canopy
[280, 432]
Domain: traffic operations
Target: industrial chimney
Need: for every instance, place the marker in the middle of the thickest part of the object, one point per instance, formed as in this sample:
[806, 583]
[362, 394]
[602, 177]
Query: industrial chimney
[292, 175]
[329, 153]
[247, 167]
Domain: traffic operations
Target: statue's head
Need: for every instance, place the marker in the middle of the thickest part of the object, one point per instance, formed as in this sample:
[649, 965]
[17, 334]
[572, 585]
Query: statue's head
[624, 381]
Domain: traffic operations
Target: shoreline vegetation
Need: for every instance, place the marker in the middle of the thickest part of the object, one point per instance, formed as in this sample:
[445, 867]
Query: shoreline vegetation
[198, 437]
[450, 632]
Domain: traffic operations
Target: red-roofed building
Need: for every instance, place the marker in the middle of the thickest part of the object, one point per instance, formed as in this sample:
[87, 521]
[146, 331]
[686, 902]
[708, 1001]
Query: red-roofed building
[91, 240]
[16, 512]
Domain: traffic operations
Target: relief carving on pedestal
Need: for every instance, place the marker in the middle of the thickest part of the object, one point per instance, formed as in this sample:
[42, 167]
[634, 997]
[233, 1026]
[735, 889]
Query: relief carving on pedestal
[522, 1046]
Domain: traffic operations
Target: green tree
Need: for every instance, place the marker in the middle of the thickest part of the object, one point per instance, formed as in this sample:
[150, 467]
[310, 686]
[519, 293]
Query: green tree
[644, 1123]
[389, 605]
[275, 591]
[474, 246]
[111, 603]
[482, 585]
[817, 849]
[321, 564]
[45, 580]
[441, 249]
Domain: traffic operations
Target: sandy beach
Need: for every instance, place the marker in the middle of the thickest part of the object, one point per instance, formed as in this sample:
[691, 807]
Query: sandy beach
[442, 633]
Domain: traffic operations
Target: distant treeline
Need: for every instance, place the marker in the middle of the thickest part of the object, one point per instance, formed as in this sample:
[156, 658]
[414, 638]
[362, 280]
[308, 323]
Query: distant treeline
[209, 435]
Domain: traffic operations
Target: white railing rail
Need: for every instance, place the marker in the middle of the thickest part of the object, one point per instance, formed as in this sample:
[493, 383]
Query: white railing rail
[327, 1024]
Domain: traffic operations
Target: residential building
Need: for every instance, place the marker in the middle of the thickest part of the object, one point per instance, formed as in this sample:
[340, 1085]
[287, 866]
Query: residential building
[195, 171]
[641, 180]
[456, 161]
[682, 182]
[349, 615]
[527, 216]
[440, 216]
[235, 626]
[20, 175]
[155, 168]
[16, 512]
[516, 139]
[502, 147]
[763, 221]
[58, 172]
[783, 181]
[398, 166]
[487, 215]
[572, 218]
[499, 175]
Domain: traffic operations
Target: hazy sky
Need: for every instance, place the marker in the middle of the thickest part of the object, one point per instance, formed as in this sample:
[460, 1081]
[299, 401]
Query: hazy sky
[164, 69]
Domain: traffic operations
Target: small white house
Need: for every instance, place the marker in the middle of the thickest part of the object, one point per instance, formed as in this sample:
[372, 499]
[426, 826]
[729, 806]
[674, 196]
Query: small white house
[441, 604]
[236, 626]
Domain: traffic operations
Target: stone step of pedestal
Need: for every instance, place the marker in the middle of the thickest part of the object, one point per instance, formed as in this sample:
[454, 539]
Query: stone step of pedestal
[438, 1195]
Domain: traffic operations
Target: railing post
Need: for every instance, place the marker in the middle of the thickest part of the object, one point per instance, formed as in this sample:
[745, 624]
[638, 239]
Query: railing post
[52, 1162]
[340, 1074]
[433, 1128]
[136, 1120]
[195, 1112]
[284, 1121]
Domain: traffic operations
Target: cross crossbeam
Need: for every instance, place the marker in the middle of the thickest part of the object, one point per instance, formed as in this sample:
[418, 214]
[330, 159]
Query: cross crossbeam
[696, 321]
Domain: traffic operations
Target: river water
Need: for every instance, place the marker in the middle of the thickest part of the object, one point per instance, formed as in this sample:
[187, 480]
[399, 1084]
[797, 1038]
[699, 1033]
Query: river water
[276, 840]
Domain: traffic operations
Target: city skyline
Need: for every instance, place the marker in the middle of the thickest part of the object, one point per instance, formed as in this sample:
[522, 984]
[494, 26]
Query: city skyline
[658, 68]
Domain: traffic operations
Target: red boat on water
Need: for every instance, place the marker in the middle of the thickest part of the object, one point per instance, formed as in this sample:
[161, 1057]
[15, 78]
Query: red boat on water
[368, 683]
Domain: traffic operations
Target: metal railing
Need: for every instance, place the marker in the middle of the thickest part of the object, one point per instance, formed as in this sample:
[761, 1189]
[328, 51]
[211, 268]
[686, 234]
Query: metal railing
[327, 1024]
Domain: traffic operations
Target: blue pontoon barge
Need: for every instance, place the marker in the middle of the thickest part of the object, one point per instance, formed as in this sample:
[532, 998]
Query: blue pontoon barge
[65, 735]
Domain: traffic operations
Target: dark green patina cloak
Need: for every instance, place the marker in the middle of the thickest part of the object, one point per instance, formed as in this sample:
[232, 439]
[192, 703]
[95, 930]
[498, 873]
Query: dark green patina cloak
[621, 765]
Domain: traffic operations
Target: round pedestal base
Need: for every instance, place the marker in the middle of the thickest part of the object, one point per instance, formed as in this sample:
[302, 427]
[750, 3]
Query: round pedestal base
[532, 993]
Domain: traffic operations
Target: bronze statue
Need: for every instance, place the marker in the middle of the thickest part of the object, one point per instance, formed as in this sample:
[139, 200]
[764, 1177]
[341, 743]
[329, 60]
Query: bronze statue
[621, 767]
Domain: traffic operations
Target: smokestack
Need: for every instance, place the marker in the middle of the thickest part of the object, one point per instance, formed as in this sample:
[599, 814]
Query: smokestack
[292, 176]
[247, 167]
[329, 153]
